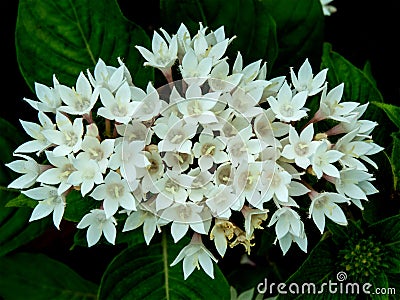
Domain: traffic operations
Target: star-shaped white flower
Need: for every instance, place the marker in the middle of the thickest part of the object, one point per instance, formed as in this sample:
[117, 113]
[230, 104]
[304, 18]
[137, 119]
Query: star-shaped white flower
[325, 205]
[59, 173]
[221, 200]
[209, 150]
[287, 107]
[323, 159]
[87, 174]
[306, 81]
[79, 100]
[195, 254]
[163, 54]
[108, 77]
[29, 169]
[301, 146]
[50, 201]
[193, 70]
[150, 104]
[145, 216]
[115, 192]
[119, 107]
[68, 137]
[97, 151]
[39, 142]
[98, 225]
[49, 97]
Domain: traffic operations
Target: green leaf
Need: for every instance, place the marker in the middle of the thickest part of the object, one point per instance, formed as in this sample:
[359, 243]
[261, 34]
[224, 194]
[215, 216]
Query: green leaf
[380, 281]
[388, 230]
[300, 28]
[394, 159]
[77, 206]
[144, 272]
[22, 201]
[358, 87]
[248, 20]
[37, 277]
[392, 111]
[65, 37]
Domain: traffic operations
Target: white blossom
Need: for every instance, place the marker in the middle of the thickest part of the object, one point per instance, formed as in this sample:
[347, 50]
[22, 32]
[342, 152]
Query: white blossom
[306, 81]
[49, 201]
[29, 169]
[86, 175]
[98, 225]
[195, 254]
[323, 159]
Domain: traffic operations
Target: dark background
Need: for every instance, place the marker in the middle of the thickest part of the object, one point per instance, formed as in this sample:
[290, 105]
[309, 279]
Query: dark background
[358, 31]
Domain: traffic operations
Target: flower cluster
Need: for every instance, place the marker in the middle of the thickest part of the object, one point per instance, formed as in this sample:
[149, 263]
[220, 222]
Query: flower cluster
[197, 154]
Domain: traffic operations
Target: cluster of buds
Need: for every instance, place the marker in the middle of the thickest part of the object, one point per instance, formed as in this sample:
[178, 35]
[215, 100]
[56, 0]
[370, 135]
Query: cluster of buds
[196, 154]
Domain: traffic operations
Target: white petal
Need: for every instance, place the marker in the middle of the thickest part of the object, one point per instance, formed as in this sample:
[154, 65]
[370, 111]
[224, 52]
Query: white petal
[41, 210]
[178, 230]
[110, 232]
[93, 235]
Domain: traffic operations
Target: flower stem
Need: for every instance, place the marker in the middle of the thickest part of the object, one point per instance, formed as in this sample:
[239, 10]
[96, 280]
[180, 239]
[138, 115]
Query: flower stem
[165, 260]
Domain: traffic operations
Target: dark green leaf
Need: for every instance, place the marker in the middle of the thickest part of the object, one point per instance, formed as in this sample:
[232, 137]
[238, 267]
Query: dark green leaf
[394, 159]
[144, 272]
[37, 277]
[392, 111]
[379, 282]
[248, 20]
[300, 28]
[78, 206]
[65, 37]
[388, 230]
[22, 201]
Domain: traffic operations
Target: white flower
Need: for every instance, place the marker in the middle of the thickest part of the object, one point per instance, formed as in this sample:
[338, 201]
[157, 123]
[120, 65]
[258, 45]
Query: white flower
[324, 205]
[203, 49]
[164, 53]
[130, 159]
[194, 70]
[287, 107]
[49, 98]
[150, 104]
[331, 107]
[183, 216]
[286, 241]
[266, 130]
[79, 100]
[220, 200]
[196, 108]
[306, 80]
[326, 8]
[98, 224]
[172, 187]
[323, 159]
[245, 104]
[201, 184]
[119, 107]
[108, 77]
[68, 137]
[220, 233]
[355, 184]
[40, 142]
[209, 150]
[29, 169]
[50, 201]
[195, 254]
[352, 150]
[242, 148]
[178, 161]
[220, 80]
[135, 131]
[225, 174]
[99, 152]
[301, 146]
[63, 167]
[246, 185]
[274, 181]
[286, 220]
[115, 192]
[87, 174]
[144, 216]
[175, 135]
[152, 172]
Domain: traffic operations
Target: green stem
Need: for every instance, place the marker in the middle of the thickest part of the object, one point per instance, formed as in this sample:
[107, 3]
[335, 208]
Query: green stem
[165, 260]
